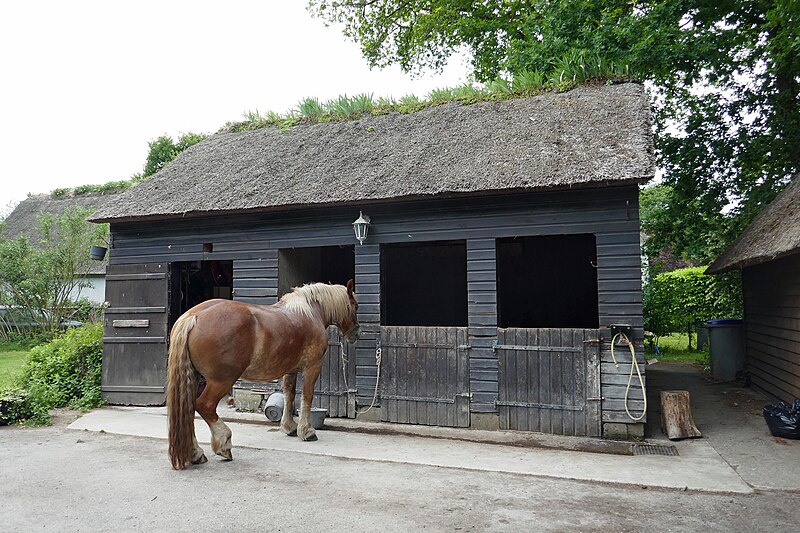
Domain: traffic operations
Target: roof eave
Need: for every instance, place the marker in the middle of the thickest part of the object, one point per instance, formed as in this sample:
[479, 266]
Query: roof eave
[741, 264]
[369, 201]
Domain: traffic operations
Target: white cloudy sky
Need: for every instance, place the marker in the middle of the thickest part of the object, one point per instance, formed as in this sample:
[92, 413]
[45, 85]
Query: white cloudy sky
[84, 85]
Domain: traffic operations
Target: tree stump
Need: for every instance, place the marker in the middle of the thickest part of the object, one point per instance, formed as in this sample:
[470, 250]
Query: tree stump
[676, 415]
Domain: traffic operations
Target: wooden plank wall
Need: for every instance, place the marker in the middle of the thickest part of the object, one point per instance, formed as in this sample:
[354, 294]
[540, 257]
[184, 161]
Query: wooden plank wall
[482, 321]
[772, 326]
[368, 292]
[255, 281]
[614, 382]
[251, 241]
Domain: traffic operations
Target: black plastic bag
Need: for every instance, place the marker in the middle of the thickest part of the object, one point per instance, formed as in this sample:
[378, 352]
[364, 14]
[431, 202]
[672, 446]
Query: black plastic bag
[783, 419]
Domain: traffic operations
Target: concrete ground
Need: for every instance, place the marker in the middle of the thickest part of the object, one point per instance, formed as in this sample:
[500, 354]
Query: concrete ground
[108, 469]
[730, 418]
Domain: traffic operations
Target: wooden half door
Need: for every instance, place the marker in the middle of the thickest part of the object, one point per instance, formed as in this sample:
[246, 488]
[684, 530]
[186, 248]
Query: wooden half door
[135, 334]
[549, 380]
[424, 375]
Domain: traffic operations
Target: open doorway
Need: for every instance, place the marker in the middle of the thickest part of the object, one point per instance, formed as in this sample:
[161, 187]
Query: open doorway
[424, 284]
[547, 282]
[194, 282]
[326, 264]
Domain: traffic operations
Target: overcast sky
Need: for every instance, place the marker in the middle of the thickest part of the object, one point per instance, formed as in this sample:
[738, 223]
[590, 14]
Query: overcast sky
[86, 84]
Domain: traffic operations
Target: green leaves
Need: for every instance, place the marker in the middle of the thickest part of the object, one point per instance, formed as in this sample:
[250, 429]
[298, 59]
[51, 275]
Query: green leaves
[40, 279]
[163, 150]
[14, 406]
[66, 372]
[160, 152]
[420, 35]
[310, 109]
[724, 75]
[675, 301]
[346, 108]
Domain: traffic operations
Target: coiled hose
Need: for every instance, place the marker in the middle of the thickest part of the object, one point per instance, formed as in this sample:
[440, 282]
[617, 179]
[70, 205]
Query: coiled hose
[634, 364]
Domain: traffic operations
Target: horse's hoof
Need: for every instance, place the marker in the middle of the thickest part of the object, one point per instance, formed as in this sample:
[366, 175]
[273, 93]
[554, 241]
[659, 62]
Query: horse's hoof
[201, 460]
[292, 433]
[310, 438]
[226, 455]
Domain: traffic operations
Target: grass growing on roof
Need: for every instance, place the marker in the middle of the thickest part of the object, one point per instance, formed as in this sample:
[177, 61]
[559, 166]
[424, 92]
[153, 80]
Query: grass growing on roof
[102, 188]
[566, 72]
[311, 109]
[562, 74]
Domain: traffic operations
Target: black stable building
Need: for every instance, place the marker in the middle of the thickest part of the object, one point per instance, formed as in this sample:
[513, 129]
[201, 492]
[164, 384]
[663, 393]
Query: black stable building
[503, 240]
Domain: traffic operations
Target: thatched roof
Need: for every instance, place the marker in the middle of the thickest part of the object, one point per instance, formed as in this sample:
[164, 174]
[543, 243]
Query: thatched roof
[594, 134]
[24, 220]
[774, 233]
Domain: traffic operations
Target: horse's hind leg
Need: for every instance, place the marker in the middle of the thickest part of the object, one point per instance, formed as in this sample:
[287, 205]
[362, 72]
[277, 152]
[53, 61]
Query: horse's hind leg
[207, 407]
[198, 456]
[288, 425]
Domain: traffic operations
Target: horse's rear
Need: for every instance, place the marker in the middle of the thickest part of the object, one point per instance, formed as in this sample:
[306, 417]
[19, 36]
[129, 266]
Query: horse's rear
[224, 340]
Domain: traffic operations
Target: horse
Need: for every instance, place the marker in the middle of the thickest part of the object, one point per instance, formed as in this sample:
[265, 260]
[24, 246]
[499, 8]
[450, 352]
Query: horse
[224, 340]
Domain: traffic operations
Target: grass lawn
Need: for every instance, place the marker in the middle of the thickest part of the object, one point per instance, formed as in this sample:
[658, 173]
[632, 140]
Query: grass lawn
[12, 361]
[675, 347]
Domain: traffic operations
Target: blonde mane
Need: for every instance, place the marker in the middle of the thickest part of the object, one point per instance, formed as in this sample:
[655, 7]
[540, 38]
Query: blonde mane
[332, 299]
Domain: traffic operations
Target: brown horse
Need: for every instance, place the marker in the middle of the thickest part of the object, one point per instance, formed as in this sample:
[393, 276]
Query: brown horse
[223, 340]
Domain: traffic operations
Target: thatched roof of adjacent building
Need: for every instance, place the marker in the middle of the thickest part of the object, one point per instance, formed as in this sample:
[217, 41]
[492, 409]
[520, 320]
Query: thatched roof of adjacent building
[591, 135]
[24, 219]
[774, 233]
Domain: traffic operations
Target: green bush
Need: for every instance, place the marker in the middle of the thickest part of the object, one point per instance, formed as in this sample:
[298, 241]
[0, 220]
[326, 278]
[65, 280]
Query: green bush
[676, 301]
[14, 406]
[86, 311]
[66, 372]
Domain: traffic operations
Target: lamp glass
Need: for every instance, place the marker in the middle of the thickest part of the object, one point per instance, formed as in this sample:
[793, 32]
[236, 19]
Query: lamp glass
[360, 227]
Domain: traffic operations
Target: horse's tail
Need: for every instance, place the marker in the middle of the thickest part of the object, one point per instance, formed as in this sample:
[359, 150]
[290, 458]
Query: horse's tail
[181, 393]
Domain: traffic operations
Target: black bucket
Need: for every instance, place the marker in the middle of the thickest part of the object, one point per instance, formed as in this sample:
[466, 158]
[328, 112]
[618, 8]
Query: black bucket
[98, 253]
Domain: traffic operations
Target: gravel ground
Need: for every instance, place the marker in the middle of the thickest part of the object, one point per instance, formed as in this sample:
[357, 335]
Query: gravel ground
[54, 479]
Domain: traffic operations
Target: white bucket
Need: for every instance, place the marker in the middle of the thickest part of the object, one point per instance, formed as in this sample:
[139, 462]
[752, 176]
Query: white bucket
[274, 407]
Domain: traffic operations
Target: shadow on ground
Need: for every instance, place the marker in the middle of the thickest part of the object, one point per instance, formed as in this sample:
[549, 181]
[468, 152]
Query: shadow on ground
[730, 417]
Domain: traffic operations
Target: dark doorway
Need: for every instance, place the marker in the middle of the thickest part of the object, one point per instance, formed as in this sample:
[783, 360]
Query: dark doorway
[547, 282]
[194, 282]
[424, 284]
[326, 264]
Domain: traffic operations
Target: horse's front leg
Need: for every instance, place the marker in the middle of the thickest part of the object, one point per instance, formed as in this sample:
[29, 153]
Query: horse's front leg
[304, 429]
[288, 425]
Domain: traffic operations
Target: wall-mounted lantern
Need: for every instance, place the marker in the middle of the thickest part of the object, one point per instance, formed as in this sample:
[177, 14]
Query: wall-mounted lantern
[361, 226]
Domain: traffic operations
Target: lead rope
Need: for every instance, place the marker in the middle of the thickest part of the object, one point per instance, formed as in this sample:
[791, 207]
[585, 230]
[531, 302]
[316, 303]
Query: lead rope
[377, 379]
[345, 360]
[634, 364]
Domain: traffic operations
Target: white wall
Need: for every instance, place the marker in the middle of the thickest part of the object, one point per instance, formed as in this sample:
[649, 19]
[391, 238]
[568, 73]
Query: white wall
[96, 292]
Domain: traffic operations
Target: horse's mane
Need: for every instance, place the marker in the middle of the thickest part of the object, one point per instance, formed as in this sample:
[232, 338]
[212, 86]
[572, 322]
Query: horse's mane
[332, 299]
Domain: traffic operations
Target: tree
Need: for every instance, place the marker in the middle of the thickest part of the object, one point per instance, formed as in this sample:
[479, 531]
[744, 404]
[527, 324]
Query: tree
[677, 301]
[657, 216]
[43, 279]
[163, 150]
[724, 77]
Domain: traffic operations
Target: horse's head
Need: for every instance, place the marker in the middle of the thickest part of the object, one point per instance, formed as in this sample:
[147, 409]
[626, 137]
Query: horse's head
[349, 326]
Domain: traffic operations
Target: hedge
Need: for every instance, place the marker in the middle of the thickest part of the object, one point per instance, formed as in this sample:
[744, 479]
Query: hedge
[677, 301]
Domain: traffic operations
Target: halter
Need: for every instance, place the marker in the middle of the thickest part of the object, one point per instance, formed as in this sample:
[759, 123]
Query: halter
[346, 334]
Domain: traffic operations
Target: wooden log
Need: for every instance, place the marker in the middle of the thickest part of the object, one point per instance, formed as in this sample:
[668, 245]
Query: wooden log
[676, 415]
